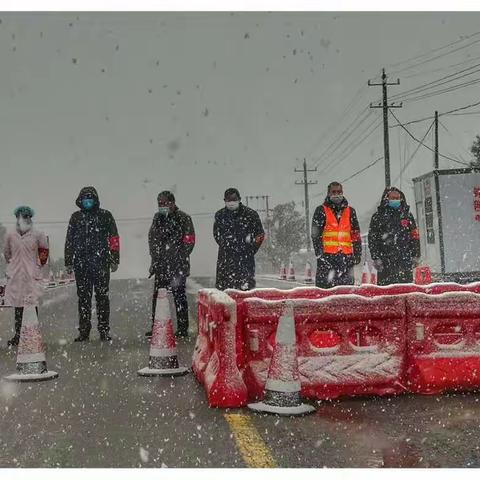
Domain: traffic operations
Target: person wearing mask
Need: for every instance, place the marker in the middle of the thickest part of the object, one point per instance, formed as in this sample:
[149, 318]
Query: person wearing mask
[25, 251]
[239, 234]
[393, 239]
[336, 239]
[92, 250]
[171, 240]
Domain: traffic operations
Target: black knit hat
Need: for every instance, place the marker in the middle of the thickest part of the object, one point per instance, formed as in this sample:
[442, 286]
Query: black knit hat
[166, 194]
[231, 191]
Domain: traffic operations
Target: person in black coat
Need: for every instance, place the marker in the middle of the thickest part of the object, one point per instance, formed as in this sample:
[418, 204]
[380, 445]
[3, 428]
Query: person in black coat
[239, 234]
[92, 249]
[393, 239]
[336, 239]
[171, 240]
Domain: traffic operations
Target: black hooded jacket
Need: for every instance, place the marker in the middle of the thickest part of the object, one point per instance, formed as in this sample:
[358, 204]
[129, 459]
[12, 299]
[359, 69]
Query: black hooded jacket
[92, 237]
[393, 235]
[171, 240]
[318, 225]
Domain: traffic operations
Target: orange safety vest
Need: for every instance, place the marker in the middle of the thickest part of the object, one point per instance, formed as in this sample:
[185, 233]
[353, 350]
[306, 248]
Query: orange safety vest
[337, 235]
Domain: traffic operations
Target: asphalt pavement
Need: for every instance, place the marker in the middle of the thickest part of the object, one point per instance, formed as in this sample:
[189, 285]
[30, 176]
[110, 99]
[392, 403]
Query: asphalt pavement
[100, 413]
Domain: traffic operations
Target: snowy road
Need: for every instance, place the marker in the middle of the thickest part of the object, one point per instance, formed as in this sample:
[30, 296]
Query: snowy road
[99, 413]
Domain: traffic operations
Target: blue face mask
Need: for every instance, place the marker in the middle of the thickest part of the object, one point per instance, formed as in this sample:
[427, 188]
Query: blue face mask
[88, 203]
[394, 204]
[164, 211]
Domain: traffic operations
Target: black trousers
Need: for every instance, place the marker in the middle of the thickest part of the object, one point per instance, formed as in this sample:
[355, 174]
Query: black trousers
[19, 318]
[333, 270]
[176, 285]
[388, 276]
[89, 279]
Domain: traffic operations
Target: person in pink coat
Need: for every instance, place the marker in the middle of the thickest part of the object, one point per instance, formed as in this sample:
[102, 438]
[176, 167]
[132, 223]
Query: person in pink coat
[26, 251]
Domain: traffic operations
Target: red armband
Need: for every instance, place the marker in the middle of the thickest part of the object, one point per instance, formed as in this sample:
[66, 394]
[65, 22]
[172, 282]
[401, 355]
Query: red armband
[43, 255]
[414, 234]
[356, 236]
[114, 244]
[259, 239]
[189, 239]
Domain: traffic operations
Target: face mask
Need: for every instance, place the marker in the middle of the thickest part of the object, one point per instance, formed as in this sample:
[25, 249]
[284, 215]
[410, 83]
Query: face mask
[336, 198]
[164, 211]
[232, 205]
[24, 225]
[394, 204]
[87, 203]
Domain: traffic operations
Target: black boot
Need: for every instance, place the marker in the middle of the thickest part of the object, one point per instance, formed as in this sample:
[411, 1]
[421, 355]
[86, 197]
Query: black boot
[105, 337]
[13, 342]
[82, 338]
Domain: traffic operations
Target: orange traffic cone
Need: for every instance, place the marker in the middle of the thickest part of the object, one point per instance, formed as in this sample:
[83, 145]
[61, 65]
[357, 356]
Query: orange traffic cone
[282, 389]
[31, 358]
[163, 347]
[291, 272]
[373, 275]
[308, 274]
[365, 273]
[423, 275]
[283, 272]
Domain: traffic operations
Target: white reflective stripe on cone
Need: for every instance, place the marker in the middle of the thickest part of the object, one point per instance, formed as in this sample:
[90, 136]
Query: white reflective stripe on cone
[31, 357]
[29, 316]
[163, 352]
[282, 386]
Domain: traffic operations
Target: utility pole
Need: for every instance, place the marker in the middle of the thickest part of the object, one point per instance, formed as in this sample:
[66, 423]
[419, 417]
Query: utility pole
[305, 182]
[385, 107]
[436, 164]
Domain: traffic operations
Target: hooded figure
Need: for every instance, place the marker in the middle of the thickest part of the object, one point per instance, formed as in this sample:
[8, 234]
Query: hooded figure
[239, 234]
[92, 249]
[171, 240]
[336, 239]
[393, 239]
[26, 251]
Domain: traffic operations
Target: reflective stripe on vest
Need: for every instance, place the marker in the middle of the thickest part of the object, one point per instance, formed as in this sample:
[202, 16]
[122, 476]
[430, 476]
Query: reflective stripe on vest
[337, 235]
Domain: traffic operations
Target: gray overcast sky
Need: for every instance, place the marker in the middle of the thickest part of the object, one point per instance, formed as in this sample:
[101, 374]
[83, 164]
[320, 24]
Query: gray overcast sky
[135, 103]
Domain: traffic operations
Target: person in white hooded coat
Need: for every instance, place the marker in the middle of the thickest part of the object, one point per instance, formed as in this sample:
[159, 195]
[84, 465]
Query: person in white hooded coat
[26, 251]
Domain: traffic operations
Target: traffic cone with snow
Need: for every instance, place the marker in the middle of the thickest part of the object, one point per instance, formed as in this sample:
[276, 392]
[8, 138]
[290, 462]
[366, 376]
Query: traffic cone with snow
[308, 274]
[163, 347]
[291, 272]
[423, 275]
[282, 389]
[31, 358]
[365, 273]
[373, 275]
[283, 272]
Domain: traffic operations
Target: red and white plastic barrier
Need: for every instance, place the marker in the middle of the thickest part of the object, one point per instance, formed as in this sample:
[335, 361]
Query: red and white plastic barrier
[220, 376]
[351, 340]
[443, 347]
[346, 345]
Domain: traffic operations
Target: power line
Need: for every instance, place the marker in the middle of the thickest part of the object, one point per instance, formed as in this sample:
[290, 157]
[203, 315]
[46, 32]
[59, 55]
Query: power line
[445, 90]
[346, 133]
[409, 161]
[426, 146]
[435, 57]
[352, 146]
[452, 65]
[435, 83]
[429, 52]
[450, 112]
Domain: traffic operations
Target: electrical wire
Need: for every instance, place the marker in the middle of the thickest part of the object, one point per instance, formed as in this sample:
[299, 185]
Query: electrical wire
[426, 146]
[438, 82]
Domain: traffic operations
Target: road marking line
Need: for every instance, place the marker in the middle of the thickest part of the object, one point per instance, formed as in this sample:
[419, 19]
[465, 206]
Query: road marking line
[254, 451]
